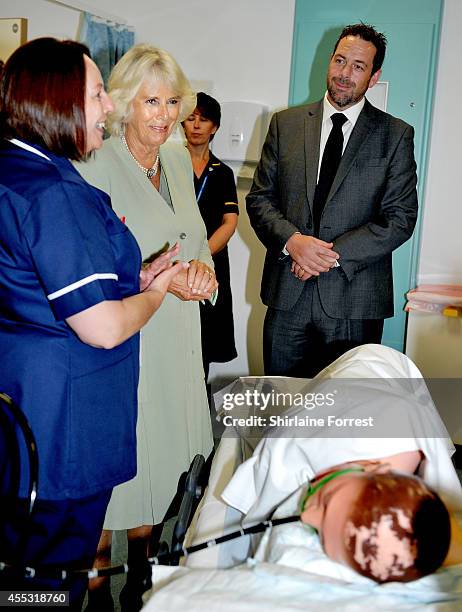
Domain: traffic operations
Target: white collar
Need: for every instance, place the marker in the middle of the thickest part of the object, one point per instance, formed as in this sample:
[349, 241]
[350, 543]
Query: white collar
[352, 113]
[27, 147]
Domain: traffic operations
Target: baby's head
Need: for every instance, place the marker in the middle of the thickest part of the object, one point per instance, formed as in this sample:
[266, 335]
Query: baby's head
[386, 525]
[398, 529]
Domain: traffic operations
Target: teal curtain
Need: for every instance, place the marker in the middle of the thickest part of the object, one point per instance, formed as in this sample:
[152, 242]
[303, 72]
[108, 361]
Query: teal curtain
[107, 41]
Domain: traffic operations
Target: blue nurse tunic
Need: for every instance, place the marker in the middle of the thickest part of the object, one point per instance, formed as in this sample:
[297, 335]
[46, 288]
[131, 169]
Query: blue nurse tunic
[63, 250]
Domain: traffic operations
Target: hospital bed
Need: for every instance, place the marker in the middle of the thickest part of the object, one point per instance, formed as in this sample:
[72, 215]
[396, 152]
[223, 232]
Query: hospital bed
[286, 569]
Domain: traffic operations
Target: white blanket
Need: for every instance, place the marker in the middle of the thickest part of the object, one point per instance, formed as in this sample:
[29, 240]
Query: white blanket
[291, 572]
[269, 587]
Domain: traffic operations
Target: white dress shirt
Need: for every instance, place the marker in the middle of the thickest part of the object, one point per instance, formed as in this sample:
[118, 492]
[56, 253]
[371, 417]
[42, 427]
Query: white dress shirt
[351, 113]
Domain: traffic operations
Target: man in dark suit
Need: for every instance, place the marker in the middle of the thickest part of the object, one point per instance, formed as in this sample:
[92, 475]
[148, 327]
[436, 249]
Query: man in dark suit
[327, 279]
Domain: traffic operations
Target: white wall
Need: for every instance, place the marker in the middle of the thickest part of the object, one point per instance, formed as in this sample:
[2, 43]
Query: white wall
[244, 49]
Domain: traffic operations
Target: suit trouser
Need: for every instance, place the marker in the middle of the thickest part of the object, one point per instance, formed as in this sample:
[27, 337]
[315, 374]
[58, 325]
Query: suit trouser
[302, 341]
[62, 534]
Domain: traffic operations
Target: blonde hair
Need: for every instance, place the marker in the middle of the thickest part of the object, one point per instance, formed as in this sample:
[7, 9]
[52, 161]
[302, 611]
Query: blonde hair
[145, 62]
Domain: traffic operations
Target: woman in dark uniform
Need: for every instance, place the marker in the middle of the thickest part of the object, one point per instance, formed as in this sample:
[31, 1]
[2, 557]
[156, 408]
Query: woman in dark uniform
[70, 310]
[217, 200]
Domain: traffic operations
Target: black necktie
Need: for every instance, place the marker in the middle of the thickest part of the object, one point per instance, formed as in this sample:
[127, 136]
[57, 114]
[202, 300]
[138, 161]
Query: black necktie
[329, 164]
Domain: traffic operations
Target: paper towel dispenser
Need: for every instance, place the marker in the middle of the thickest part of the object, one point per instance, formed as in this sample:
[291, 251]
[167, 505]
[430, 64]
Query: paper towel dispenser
[242, 131]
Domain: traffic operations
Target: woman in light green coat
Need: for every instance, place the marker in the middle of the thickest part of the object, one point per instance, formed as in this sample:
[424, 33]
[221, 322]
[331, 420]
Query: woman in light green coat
[152, 190]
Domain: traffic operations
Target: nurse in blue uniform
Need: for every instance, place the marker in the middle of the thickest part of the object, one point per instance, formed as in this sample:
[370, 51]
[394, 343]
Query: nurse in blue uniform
[70, 308]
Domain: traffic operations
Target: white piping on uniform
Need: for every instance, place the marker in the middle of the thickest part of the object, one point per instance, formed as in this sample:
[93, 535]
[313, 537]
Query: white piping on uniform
[23, 145]
[81, 283]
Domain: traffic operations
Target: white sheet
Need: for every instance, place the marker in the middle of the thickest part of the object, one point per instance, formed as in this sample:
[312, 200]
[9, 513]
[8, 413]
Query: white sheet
[290, 572]
[265, 587]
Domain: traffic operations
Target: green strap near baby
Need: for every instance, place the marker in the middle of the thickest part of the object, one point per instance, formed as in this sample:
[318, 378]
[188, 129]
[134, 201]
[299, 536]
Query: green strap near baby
[312, 490]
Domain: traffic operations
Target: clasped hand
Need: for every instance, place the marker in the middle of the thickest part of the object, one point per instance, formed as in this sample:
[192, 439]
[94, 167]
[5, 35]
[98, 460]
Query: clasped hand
[310, 256]
[196, 283]
[159, 274]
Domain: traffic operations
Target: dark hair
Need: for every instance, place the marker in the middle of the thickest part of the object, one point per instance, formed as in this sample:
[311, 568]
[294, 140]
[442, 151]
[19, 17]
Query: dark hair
[209, 108]
[42, 97]
[416, 516]
[369, 34]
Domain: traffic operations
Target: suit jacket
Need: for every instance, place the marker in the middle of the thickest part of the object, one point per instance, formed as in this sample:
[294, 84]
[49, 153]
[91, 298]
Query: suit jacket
[371, 208]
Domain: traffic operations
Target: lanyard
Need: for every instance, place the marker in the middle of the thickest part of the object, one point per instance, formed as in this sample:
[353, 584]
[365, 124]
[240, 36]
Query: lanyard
[203, 185]
[210, 169]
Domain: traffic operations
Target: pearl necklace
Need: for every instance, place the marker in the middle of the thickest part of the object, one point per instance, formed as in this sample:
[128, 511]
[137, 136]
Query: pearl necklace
[149, 172]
